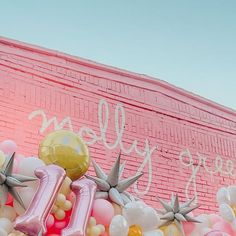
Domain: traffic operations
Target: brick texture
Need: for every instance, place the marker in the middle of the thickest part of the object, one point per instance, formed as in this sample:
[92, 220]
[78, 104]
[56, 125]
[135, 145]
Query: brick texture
[38, 84]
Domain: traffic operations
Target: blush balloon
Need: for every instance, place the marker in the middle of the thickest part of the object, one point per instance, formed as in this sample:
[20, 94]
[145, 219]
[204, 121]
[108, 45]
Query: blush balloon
[103, 211]
[188, 227]
[8, 146]
[215, 219]
[223, 227]
[215, 233]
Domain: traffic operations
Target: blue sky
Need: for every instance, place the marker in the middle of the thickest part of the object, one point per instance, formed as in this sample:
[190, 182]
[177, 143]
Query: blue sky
[189, 43]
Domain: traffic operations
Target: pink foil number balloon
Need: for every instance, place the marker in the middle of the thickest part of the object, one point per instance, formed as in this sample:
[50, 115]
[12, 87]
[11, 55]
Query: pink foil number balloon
[33, 221]
[84, 190]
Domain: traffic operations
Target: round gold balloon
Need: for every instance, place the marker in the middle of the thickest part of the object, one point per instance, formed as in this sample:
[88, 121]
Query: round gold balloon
[66, 149]
[135, 230]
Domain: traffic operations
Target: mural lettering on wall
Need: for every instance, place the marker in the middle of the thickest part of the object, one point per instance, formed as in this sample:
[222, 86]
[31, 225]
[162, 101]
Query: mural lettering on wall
[103, 119]
[186, 160]
[185, 157]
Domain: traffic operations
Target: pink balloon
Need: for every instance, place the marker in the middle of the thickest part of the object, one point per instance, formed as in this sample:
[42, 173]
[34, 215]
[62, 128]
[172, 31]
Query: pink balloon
[215, 218]
[33, 221]
[8, 146]
[84, 190]
[223, 227]
[215, 233]
[188, 227]
[103, 211]
[60, 224]
[50, 221]
[105, 234]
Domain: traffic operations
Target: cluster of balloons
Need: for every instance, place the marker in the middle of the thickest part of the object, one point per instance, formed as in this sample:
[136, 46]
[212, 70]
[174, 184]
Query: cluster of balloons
[103, 217]
[61, 142]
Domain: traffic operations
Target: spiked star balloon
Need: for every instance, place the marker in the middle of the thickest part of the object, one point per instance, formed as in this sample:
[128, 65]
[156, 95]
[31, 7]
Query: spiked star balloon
[176, 212]
[9, 181]
[110, 186]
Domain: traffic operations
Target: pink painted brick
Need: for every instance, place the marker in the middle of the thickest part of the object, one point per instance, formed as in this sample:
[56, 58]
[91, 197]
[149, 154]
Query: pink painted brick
[34, 78]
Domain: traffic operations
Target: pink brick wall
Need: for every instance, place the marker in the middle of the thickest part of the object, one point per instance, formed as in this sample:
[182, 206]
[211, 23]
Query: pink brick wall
[182, 143]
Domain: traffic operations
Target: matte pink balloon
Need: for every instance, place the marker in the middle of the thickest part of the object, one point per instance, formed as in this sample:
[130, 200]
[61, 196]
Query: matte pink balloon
[103, 211]
[50, 221]
[223, 227]
[188, 227]
[33, 221]
[8, 146]
[215, 218]
[215, 233]
[84, 190]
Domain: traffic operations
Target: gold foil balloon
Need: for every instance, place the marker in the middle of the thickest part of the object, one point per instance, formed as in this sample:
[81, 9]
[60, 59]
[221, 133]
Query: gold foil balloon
[67, 150]
[135, 230]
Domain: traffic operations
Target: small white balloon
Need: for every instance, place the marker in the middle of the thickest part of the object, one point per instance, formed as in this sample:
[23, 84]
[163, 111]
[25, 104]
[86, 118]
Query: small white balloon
[6, 224]
[119, 226]
[2, 158]
[204, 231]
[8, 212]
[157, 232]
[227, 212]
[234, 224]
[28, 165]
[134, 211]
[232, 194]
[222, 196]
[3, 232]
[205, 221]
[149, 220]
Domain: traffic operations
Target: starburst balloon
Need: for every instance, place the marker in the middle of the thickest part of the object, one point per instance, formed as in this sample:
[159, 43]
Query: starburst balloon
[176, 212]
[110, 186]
[9, 181]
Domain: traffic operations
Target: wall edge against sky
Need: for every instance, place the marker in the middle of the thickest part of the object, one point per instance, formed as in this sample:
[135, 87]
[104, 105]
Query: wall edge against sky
[195, 100]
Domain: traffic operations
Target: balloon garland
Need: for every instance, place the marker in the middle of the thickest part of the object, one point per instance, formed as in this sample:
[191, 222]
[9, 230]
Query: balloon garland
[51, 195]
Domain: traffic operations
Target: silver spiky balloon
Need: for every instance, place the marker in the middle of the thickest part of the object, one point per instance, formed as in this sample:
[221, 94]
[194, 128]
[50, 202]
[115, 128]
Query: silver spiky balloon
[176, 212]
[9, 181]
[110, 186]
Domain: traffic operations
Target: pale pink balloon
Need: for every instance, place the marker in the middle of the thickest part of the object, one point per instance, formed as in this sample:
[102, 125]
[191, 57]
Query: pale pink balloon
[223, 227]
[8, 146]
[18, 158]
[216, 233]
[84, 190]
[188, 227]
[60, 224]
[33, 221]
[215, 218]
[105, 234]
[50, 221]
[103, 211]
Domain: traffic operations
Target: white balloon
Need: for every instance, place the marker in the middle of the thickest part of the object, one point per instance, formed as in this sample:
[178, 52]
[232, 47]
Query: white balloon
[6, 224]
[28, 165]
[149, 220]
[26, 195]
[8, 212]
[119, 226]
[234, 224]
[134, 212]
[157, 232]
[204, 231]
[205, 221]
[227, 212]
[222, 196]
[232, 194]
[3, 232]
